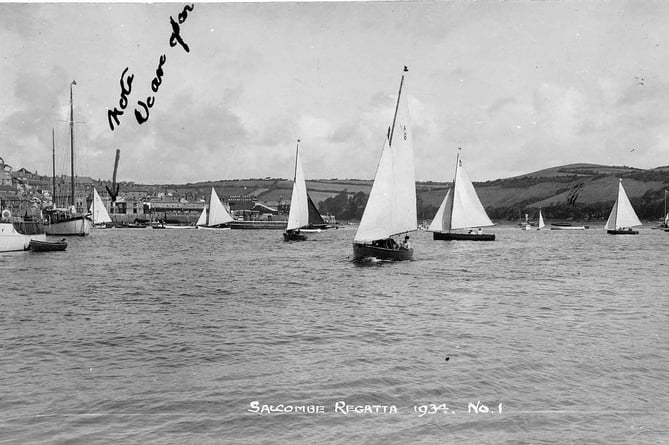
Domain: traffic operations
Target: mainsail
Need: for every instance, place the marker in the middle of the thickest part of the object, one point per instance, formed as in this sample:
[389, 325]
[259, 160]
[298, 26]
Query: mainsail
[461, 208]
[622, 215]
[98, 211]
[299, 206]
[218, 214]
[391, 207]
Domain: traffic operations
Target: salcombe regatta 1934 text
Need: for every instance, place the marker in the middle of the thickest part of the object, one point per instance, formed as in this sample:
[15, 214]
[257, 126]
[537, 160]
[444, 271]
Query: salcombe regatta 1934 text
[343, 408]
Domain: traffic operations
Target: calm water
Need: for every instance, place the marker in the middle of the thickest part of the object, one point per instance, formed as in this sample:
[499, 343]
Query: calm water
[167, 336]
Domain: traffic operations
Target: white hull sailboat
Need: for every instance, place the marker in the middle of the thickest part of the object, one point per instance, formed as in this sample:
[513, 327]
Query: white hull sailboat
[391, 207]
[461, 209]
[66, 221]
[623, 217]
[303, 216]
[16, 235]
[98, 211]
[217, 217]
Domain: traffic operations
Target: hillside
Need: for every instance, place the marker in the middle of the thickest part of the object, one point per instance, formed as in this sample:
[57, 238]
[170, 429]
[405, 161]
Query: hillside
[579, 191]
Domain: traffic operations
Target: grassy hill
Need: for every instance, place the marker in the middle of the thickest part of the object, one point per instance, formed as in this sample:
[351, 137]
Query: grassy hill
[575, 191]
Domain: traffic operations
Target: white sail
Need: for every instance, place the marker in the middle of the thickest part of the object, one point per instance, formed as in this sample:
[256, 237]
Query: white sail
[298, 216]
[218, 214]
[391, 207]
[622, 215]
[98, 211]
[437, 224]
[541, 220]
[461, 207]
[202, 220]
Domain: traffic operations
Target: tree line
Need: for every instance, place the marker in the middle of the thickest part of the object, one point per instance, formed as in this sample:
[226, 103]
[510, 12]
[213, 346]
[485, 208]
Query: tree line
[650, 206]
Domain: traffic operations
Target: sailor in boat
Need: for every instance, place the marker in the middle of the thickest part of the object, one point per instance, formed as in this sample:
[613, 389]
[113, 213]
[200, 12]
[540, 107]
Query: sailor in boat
[406, 244]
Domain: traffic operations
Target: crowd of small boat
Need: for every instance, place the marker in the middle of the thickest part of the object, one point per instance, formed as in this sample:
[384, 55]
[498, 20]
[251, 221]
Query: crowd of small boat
[390, 210]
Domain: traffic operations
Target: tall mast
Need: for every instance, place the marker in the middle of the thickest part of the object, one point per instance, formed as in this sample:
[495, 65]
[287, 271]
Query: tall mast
[397, 105]
[455, 177]
[72, 144]
[53, 166]
[297, 153]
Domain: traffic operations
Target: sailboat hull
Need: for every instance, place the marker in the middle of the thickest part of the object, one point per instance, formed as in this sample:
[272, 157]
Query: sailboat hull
[13, 239]
[77, 226]
[622, 232]
[452, 236]
[361, 251]
[291, 236]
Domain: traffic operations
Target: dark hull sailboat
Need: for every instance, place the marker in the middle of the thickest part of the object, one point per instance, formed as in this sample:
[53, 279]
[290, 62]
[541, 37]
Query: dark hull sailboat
[361, 251]
[294, 235]
[623, 232]
[452, 236]
[461, 209]
[622, 217]
[303, 214]
[391, 208]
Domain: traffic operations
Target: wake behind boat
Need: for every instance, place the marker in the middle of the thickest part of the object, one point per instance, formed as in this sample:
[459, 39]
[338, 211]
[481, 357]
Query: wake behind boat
[461, 209]
[622, 217]
[391, 207]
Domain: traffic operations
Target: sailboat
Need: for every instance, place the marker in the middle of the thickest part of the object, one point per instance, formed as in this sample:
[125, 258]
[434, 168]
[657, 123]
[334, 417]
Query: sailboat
[98, 211]
[664, 225]
[67, 221]
[303, 215]
[541, 221]
[391, 207]
[622, 217]
[217, 216]
[461, 209]
[525, 225]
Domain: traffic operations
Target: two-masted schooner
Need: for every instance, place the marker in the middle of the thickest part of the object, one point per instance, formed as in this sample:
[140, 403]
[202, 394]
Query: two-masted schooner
[66, 220]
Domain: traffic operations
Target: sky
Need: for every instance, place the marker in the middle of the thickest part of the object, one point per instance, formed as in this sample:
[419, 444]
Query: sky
[520, 86]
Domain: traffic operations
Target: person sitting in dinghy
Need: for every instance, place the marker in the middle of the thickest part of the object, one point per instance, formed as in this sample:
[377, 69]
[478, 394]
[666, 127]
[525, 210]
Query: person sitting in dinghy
[406, 244]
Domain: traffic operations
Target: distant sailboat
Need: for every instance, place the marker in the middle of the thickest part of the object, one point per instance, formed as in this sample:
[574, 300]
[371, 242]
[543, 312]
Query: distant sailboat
[217, 216]
[461, 209]
[664, 224]
[303, 213]
[66, 221]
[541, 221]
[391, 207]
[622, 217]
[525, 225]
[99, 213]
